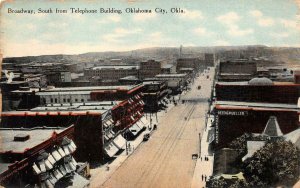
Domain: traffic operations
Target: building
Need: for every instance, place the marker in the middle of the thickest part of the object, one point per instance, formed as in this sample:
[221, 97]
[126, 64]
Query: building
[209, 59]
[58, 76]
[39, 157]
[105, 123]
[176, 82]
[27, 98]
[150, 68]
[237, 70]
[71, 67]
[258, 90]
[129, 80]
[154, 93]
[112, 72]
[232, 119]
[168, 69]
[194, 63]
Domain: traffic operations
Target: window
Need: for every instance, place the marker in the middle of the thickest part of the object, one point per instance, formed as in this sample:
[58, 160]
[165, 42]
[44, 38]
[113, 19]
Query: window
[51, 100]
[55, 100]
[82, 100]
[68, 100]
[64, 100]
[76, 100]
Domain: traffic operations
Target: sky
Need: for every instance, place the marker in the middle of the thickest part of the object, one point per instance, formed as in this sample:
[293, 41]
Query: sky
[203, 23]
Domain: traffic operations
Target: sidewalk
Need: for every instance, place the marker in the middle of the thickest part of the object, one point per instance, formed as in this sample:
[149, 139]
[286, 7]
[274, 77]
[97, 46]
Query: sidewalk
[102, 173]
[203, 168]
[108, 169]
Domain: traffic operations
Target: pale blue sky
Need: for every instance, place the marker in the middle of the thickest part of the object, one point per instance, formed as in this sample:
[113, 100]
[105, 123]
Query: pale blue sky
[204, 23]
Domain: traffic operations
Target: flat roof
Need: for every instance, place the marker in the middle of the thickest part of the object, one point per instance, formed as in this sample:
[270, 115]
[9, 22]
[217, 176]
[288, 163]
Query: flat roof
[37, 136]
[129, 78]
[166, 66]
[120, 87]
[66, 109]
[152, 82]
[115, 67]
[77, 89]
[254, 105]
[83, 107]
[244, 83]
[170, 75]
[42, 93]
[186, 69]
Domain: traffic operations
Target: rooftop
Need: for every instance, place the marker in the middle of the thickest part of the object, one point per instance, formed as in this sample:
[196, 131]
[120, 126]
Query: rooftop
[245, 83]
[252, 147]
[254, 106]
[115, 67]
[152, 82]
[167, 66]
[129, 78]
[294, 137]
[190, 69]
[37, 136]
[91, 108]
[170, 75]
[79, 89]
[272, 128]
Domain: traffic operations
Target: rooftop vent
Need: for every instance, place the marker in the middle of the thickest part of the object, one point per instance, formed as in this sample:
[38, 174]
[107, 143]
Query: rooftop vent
[21, 137]
[260, 81]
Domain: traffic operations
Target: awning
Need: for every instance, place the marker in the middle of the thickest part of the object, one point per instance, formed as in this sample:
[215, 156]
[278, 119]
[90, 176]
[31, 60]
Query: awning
[144, 121]
[111, 149]
[78, 181]
[135, 129]
[211, 135]
[108, 135]
[119, 141]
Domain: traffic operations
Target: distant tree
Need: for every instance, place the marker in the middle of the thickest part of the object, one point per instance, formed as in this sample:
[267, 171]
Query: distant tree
[276, 163]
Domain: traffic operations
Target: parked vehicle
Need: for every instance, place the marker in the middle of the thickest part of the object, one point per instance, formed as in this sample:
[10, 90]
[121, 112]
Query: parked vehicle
[146, 137]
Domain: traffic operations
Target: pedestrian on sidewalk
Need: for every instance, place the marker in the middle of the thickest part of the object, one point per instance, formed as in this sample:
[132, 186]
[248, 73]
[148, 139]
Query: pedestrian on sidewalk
[205, 178]
[202, 177]
[201, 158]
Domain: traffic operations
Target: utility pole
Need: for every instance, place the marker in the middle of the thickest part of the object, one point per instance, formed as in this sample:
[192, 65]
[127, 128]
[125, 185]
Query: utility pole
[199, 144]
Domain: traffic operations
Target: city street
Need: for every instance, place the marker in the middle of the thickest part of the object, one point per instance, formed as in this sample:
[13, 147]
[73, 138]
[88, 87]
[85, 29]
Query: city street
[165, 160]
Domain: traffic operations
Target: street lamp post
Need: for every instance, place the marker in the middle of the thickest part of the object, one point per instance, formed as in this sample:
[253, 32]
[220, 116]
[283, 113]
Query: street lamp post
[199, 144]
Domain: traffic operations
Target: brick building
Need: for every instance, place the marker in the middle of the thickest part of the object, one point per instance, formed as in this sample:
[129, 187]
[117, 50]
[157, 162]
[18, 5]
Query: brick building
[237, 70]
[154, 93]
[188, 63]
[258, 90]
[149, 69]
[39, 157]
[104, 122]
[233, 119]
[112, 72]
